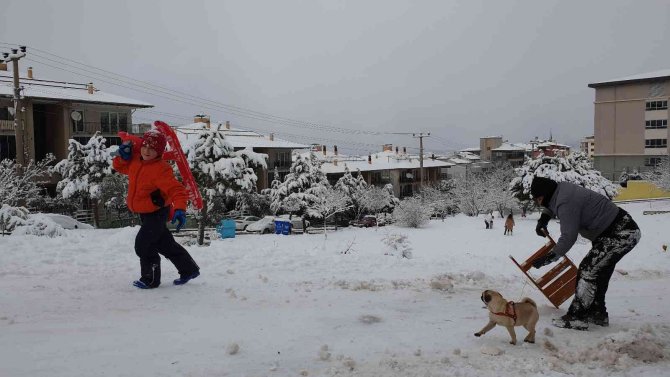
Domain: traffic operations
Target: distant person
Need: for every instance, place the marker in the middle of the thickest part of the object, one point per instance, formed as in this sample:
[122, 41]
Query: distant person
[152, 189]
[509, 224]
[612, 231]
[491, 220]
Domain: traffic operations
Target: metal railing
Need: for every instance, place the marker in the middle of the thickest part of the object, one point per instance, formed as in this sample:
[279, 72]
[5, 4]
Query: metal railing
[6, 125]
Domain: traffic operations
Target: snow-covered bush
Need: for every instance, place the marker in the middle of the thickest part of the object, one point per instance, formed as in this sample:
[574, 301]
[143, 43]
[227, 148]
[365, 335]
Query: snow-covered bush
[659, 175]
[253, 204]
[377, 199]
[39, 225]
[575, 168]
[411, 213]
[301, 186]
[11, 217]
[397, 244]
[17, 188]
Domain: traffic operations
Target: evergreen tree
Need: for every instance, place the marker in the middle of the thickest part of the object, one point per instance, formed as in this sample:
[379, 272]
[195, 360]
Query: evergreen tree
[575, 168]
[220, 172]
[353, 188]
[83, 171]
[303, 183]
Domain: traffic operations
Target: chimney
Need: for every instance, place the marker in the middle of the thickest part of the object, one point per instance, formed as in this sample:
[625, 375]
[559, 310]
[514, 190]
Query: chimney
[324, 150]
[396, 149]
[272, 135]
[335, 162]
[370, 159]
[387, 148]
[3, 66]
[30, 73]
[433, 156]
[202, 119]
[335, 150]
[228, 127]
[90, 88]
[404, 150]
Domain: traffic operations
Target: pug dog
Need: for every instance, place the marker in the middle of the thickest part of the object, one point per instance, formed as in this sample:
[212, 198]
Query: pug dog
[510, 314]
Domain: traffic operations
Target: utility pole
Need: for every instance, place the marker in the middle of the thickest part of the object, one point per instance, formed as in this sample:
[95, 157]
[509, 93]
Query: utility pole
[17, 53]
[420, 136]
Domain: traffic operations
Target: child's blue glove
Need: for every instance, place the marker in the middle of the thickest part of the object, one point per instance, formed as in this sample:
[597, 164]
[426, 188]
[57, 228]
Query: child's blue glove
[180, 217]
[126, 150]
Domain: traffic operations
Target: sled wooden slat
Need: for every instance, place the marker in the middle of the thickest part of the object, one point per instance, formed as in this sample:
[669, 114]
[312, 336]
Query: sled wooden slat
[559, 283]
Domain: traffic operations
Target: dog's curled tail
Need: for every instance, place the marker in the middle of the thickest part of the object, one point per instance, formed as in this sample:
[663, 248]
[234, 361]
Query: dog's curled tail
[530, 301]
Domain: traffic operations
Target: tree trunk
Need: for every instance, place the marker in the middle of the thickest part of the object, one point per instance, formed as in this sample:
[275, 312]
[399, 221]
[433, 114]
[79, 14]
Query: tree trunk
[96, 214]
[203, 222]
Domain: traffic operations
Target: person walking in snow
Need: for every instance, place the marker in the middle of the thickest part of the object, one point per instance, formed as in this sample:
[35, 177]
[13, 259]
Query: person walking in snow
[491, 220]
[612, 231]
[152, 189]
[509, 224]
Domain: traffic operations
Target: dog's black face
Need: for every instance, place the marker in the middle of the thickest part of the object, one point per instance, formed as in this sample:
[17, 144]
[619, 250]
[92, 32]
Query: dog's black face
[486, 297]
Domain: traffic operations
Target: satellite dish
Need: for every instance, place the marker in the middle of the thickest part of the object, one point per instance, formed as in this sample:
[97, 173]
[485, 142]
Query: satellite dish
[76, 116]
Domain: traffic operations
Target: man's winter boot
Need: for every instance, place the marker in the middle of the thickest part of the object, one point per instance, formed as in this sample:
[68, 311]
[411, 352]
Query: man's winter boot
[600, 319]
[569, 321]
[183, 279]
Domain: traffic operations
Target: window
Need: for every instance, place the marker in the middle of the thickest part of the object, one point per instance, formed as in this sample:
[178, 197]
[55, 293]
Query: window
[657, 105]
[77, 119]
[7, 147]
[6, 114]
[660, 123]
[113, 141]
[656, 143]
[111, 122]
[652, 161]
[283, 159]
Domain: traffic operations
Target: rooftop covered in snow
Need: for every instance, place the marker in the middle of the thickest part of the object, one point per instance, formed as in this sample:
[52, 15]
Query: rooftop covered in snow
[237, 137]
[39, 89]
[381, 161]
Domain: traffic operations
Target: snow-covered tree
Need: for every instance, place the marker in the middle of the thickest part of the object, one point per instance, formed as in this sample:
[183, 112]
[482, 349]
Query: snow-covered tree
[412, 213]
[353, 188]
[498, 194]
[470, 194]
[83, 170]
[659, 175]
[304, 182]
[17, 189]
[114, 190]
[253, 204]
[377, 199]
[11, 217]
[575, 168]
[276, 193]
[220, 172]
[329, 202]
[439, 198]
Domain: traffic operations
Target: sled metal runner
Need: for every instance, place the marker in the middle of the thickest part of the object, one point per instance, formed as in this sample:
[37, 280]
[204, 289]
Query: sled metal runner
[559, 283]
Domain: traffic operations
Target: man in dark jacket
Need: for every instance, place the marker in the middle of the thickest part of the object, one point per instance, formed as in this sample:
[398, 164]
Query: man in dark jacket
[611, 230]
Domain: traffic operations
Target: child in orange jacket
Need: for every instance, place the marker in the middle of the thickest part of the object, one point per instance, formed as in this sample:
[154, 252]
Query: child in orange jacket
[152, 188]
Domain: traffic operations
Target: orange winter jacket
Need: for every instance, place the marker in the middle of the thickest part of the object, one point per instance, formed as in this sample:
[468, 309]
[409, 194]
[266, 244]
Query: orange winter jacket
[144, 178]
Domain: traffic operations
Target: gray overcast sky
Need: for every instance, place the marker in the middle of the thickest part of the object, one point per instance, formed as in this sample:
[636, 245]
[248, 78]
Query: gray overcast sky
[460, 70]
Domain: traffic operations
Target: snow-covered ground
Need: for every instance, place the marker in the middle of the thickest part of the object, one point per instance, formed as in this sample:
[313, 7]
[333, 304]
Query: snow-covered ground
[296, 305]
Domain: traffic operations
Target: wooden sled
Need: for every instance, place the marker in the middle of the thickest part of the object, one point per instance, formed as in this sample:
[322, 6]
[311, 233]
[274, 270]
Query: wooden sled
[559, 283]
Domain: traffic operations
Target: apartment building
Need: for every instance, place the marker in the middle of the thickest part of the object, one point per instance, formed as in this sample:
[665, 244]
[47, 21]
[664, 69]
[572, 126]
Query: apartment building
[631, 122]
[587, 146]
[56, 111]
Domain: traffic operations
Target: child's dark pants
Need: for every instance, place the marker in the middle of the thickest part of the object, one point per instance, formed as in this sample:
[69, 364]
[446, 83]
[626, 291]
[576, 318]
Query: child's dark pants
[153, 239]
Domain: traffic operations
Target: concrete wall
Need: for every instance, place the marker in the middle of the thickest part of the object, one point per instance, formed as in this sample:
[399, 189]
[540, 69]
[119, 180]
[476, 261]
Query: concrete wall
[641, 190]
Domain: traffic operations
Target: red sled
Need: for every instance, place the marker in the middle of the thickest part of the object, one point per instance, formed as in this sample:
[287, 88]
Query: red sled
[175, 154]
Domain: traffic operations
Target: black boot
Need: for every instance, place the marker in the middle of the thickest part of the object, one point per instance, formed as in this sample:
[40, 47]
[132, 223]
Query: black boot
[599, 318]
[151, 276]
[570, 321]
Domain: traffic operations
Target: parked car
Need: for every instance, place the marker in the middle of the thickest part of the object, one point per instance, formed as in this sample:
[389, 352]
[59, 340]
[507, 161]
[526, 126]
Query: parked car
[263, 226]
[242, 222]
[366, 222]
